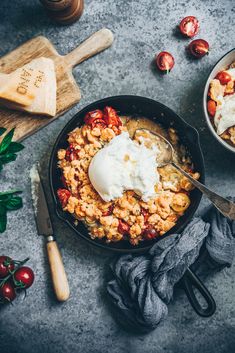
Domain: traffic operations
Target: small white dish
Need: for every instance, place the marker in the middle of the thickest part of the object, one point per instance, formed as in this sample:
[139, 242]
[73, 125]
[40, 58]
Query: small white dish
[224, 62]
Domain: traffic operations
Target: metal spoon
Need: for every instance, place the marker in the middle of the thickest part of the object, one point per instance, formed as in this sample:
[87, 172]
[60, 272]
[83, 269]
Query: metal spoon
[226, 207]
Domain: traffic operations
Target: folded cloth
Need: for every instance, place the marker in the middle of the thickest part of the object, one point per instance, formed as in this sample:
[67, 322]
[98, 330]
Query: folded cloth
[142, 286]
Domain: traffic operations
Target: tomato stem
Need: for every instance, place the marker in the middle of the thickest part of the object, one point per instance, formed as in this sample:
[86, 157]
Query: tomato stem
[19, 264]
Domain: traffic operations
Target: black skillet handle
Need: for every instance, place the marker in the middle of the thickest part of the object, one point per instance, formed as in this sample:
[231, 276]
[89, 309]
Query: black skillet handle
[189, 281]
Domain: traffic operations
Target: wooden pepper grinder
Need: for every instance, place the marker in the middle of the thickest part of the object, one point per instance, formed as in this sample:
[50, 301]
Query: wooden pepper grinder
[64, 11]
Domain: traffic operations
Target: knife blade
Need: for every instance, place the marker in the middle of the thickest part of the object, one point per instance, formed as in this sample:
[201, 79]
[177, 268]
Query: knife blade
[42, 216]
[44, 227]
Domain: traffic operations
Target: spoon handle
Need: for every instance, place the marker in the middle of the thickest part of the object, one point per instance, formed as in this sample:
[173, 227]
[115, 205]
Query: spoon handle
[226, 207]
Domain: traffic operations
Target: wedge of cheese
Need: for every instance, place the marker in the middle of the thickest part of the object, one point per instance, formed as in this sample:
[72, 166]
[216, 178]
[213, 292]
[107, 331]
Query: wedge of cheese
[31, 88]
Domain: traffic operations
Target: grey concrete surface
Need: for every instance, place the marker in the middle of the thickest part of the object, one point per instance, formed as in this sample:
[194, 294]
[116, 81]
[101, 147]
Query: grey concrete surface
[84, 324]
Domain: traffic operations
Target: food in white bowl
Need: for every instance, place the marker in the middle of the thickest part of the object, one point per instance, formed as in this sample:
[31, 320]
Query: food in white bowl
[112, 183]
[221, 103]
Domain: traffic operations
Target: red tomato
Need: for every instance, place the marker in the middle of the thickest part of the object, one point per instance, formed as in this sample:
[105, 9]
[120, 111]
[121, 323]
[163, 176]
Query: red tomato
[198, 48]
[211, 107]
[71, 154]
[63, 195]
[150, 233]
[123, 227]
[92, 116]
[223, 77]
[109, 211]
[24, 276]
[111, 117]
[7, 292]
[145, 214]
[165, 61]
[189, 26]
[99, 123]
[6, 266]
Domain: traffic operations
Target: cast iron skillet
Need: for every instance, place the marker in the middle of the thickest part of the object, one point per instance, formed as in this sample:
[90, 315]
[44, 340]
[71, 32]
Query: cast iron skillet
[153, 110]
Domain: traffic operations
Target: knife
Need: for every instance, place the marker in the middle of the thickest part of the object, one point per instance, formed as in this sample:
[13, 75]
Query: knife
[44, 227]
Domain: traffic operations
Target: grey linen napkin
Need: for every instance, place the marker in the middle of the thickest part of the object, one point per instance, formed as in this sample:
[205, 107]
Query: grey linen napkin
[142, 286]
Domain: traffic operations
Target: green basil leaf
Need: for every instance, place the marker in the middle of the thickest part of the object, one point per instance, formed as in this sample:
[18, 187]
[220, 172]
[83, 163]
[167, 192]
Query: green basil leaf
[5, 195]
[10, 192]
[3, 223]
[3, 218]
[14, 203]
[2, 130]
[15, 147]
[2, 210]
[8, 157]
[6, 141]
[0, 166]
[4, 199]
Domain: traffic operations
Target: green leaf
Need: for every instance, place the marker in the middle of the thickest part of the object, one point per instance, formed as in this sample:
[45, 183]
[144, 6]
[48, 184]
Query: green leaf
[2, 130]
[3, 223]
[14, 203]
[8, 157]
[2, 210]
[6, 141]
[7, 195]
[3, 218]
[15, 147]
[10, 192]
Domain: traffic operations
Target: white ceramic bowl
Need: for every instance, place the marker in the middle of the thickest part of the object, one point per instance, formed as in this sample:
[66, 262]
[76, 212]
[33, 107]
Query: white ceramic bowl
[226, 60]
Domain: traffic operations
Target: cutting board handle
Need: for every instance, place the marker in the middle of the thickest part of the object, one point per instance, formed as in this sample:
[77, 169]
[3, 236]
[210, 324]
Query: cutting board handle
[96, 43]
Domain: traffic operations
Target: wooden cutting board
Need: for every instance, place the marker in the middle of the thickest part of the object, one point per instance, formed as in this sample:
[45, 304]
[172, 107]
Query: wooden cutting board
[68, 92]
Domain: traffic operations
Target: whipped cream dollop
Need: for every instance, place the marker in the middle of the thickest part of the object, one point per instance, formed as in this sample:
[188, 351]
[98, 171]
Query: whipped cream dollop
[225, 112]
[124, 164]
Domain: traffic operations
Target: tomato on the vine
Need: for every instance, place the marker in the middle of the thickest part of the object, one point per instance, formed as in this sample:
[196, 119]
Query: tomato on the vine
[7, 292]
[24, 277]
[6, 266]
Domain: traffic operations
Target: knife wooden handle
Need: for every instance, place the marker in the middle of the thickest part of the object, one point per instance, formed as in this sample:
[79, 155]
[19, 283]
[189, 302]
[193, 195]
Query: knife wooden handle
[96, 43]
[59, 278]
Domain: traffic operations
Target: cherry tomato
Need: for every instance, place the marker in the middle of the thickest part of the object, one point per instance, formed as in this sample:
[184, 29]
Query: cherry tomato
[7, 292]
[211, 107]
[71, 154]
[109, 211]
[63, 195]
[223, 77]
[92, 116]
[165, 61]
[145, 214]
[24, 276]
[6, 266]
[99, 123]
[199, 48]
[111, 117]
[123, 227]
[189, 26]
[150, 233]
